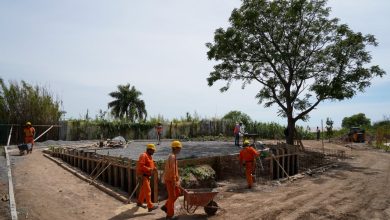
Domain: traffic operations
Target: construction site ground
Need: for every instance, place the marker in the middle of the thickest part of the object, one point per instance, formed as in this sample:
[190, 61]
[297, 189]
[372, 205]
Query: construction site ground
[357, 187]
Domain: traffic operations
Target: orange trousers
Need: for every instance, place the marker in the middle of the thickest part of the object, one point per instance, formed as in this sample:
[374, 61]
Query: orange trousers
[173, 194]
[248, 172]
[145, 192]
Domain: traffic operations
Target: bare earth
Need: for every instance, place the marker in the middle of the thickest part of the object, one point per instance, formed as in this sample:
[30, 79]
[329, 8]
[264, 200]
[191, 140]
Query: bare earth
[357, 188]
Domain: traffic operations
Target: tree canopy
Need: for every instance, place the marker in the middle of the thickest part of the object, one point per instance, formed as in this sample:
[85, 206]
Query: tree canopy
[238, 116]
[127, 104]
[298, 55]
[358, 120]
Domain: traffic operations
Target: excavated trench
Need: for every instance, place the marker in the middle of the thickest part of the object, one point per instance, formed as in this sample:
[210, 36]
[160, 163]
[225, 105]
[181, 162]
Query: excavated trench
[116, 166]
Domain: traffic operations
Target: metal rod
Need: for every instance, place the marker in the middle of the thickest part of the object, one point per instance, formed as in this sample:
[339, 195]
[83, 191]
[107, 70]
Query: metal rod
[135, 189]
[100, 173]
[43, 133]
[280, 166]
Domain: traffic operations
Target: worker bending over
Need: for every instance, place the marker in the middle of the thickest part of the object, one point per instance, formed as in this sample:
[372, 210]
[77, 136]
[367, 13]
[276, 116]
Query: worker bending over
[247, 159]
[172, 180]
[145, 167]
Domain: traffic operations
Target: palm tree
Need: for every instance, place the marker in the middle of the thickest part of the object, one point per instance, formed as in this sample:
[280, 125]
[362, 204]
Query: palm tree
[127, 103]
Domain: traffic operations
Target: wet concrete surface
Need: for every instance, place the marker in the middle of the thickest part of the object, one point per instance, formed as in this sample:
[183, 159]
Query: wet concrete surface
[191, 149]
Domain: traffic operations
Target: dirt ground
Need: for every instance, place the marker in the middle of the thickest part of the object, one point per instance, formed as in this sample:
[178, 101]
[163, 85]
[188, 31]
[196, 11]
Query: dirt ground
[355, 188]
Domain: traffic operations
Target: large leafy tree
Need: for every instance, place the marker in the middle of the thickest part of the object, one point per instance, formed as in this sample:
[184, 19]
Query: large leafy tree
[127, 104]
[298, 55]
[358, 120]
[238, 116]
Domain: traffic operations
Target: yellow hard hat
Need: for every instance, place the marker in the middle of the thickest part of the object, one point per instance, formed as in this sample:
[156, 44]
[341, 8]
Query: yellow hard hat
[246, 142]
[176, 144]
[28, 123]
[151, 147]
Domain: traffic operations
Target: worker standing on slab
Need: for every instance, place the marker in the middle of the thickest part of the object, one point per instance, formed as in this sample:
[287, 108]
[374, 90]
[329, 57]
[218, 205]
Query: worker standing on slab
[242, 132]
[145, 167]
[236, 133]
[318, 134]
[247, 159]
[159, 129]
[172, 180]
[29, 134]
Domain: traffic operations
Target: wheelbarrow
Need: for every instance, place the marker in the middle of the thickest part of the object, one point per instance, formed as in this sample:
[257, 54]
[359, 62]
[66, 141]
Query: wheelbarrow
[24, 147]
[194, 198]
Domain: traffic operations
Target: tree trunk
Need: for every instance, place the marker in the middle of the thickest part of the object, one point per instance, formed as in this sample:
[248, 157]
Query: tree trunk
[291, 131]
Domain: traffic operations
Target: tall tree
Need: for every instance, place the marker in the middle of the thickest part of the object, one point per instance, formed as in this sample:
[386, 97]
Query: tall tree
[358, 120]
[298, 55]
[127, 104]
[21, 102]
[238, 116]
[329, 128]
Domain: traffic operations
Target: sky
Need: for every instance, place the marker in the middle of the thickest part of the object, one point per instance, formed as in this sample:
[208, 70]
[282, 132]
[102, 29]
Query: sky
[82, 50]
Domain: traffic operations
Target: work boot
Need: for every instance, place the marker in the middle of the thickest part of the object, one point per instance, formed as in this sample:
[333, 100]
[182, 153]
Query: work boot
[153, 208]
[141, 205]
[164, 208]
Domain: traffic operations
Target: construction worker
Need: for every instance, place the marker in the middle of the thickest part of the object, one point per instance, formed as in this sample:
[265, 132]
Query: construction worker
[145, 167]
[172, 180]
[159, 129]
[29, 134]
[247, 159]
[242, 132]
[236, 132]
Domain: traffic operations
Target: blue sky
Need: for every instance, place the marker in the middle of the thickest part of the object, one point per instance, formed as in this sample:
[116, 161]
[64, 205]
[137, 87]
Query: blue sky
[81, 51]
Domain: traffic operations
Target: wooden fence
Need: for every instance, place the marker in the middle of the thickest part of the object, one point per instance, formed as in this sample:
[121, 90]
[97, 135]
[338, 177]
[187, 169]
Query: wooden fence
[114, 171]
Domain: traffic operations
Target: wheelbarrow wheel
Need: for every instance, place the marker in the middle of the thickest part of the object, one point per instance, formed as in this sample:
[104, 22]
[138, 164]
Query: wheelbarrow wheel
[211, 208]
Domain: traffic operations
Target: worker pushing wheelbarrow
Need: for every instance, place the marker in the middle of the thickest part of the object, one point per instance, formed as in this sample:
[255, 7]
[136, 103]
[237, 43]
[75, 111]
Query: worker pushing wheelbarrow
[194, 198]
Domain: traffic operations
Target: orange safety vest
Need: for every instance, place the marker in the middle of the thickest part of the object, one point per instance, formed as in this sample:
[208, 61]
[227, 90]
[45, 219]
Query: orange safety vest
[145, 164]
[248, 155]
[29, 134]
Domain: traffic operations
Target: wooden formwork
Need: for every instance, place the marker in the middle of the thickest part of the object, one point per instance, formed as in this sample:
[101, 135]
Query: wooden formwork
[114, 171]
[121, 172]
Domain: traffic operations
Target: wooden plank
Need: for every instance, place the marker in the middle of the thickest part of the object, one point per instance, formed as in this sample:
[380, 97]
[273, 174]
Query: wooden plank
[109, 173]
[116, 176]
[155, 186]
[130, 182]
[12, 203]
[122, 178]
[88, 161]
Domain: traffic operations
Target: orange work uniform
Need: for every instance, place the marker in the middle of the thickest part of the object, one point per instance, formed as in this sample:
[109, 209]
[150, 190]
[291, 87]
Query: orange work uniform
[29, 133]
[247, 157]
[171, 179]
[145, 166]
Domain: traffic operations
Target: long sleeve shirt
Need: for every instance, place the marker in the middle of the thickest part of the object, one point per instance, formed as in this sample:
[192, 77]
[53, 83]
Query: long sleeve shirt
[248, 154]
[171, 172]
[145, 164]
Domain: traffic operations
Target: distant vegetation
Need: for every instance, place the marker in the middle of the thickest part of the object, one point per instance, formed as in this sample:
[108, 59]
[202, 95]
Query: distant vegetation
[21, 102]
